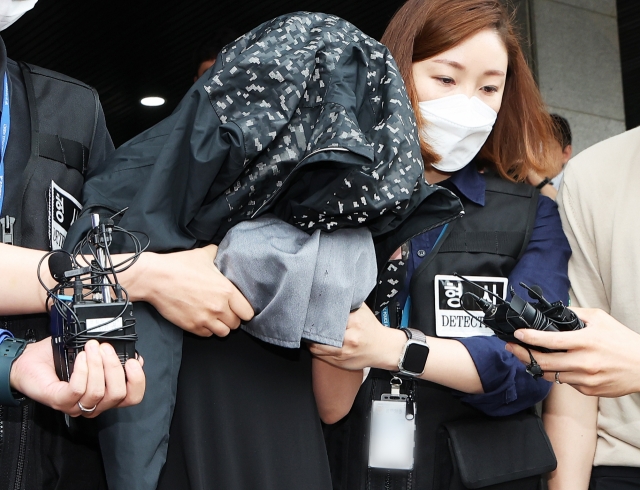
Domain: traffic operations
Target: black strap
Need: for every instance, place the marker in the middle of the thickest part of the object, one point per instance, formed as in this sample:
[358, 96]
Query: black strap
[71, 153]
[543, 183]
[30, 168]
[496, 242]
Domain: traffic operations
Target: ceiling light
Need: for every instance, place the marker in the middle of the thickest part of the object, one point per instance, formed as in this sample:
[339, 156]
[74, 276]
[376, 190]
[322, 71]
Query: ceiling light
[152, 101]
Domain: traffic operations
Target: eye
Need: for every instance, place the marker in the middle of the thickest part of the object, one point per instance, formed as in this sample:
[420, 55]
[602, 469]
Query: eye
[446, 80]
[489, 89]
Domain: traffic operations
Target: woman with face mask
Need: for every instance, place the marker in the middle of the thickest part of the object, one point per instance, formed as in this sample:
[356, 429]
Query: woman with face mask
[439, 378]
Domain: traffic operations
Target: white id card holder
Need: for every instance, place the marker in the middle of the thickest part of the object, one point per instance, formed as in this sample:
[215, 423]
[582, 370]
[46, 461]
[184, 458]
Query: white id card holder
[392, 433]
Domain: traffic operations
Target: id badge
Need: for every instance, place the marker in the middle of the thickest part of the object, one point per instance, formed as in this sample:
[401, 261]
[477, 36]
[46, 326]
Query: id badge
[457, 315]
[392, 435]
[63, 211]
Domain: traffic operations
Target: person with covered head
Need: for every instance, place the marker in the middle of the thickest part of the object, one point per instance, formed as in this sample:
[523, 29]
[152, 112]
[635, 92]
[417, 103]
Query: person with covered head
[299, 136]
[483, 128]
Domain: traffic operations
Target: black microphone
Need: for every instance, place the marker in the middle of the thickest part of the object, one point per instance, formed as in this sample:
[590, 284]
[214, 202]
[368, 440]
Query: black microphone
[59, 263]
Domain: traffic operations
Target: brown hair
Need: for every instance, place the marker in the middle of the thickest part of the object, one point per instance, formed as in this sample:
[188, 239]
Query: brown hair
[422, 29]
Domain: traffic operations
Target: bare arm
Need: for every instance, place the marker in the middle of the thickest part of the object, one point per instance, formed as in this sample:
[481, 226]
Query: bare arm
[185, 287]
[20, 291]
[547, 190]
[368, 343]
[335, 389]
[570, 420]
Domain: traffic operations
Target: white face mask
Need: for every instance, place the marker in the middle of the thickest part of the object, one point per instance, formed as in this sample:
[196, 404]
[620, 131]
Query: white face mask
[12, 10]
[456, 128]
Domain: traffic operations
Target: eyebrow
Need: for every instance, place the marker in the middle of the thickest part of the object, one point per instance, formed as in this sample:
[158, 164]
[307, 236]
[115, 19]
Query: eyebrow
[458, 66]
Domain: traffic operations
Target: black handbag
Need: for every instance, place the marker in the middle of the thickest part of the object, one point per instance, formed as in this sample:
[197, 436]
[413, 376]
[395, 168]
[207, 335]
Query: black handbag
[498, 453]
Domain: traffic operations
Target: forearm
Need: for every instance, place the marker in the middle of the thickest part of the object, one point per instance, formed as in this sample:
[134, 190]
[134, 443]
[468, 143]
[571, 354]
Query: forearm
[367, 343]
[570, 420]
[451, 365]
[449, 362]
[335, 390]
[20, 291]
[144, 275]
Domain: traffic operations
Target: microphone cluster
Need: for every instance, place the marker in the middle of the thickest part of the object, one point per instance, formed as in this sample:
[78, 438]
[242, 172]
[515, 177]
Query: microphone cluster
[88, 302]
[505, 317]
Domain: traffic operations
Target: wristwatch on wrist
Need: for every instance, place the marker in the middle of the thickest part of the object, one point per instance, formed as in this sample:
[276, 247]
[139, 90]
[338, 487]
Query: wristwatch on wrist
[414, 354]
[10, 350]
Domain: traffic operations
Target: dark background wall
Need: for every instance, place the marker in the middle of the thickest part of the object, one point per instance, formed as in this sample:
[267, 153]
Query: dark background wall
[128, 50]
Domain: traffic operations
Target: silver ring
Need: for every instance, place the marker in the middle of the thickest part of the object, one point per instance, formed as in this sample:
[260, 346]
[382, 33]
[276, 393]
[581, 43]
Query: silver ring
[558, 378]
[87, 410]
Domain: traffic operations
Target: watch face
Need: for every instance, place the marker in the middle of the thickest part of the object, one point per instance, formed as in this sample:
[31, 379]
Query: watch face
[415, 357]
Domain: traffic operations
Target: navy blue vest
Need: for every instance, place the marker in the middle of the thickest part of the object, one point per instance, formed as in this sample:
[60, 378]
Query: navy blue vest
[484, 241]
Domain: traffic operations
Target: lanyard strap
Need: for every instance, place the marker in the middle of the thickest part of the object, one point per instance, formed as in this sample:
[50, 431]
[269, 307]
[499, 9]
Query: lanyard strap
[5, 127]
[403, 320]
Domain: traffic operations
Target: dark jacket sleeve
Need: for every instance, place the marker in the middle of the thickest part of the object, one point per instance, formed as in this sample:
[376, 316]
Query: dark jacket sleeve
[101, 146]
[166, 174]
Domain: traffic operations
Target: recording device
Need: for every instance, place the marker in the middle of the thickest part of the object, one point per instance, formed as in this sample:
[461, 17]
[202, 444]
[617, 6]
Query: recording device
[98, 306]
[505, 317]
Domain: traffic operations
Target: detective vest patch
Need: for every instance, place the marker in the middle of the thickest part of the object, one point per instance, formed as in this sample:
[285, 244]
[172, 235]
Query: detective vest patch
[451, 302]
[63, 211]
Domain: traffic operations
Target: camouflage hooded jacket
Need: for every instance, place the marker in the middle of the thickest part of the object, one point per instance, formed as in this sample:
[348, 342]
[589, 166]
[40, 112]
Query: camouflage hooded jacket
[305, 117]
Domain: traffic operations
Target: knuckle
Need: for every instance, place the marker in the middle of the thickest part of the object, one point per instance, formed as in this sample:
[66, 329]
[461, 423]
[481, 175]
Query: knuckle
[591, 370]
[96, 395]
[219, 308]
[353, 344]
[118, 394]
[226, 289]
[201, 319]
[77, 392]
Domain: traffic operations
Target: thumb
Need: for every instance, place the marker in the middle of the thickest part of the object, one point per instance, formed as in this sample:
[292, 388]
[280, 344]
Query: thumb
[211, 251]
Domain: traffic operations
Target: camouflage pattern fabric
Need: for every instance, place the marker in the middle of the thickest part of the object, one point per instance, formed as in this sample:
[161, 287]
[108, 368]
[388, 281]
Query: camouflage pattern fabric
[308, 90]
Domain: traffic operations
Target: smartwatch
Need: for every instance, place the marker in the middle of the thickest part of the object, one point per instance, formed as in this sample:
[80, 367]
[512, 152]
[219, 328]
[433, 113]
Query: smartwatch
[10, 350]
[414, 354]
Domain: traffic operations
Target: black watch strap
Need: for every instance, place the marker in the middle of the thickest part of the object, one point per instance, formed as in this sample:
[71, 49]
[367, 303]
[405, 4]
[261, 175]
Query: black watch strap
[10, 350]
[543, 183]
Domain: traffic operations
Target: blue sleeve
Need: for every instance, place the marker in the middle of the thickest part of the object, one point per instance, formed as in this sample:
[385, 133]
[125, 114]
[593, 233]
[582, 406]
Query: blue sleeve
[508, 388]
[545, 262]
[5, 334]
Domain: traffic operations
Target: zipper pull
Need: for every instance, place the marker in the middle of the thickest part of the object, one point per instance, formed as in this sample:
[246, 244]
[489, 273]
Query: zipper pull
[411, 397]
[410, 413]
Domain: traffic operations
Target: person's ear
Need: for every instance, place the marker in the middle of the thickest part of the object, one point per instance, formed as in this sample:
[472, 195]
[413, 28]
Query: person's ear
[567, 152]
